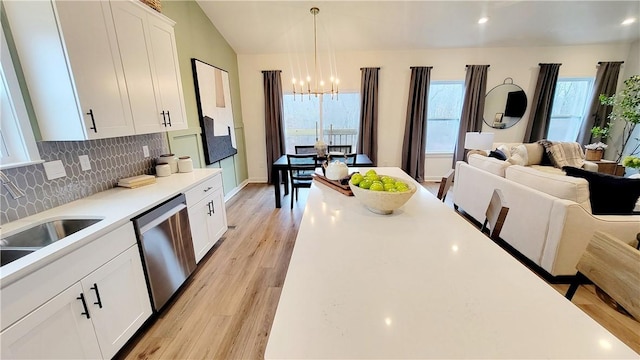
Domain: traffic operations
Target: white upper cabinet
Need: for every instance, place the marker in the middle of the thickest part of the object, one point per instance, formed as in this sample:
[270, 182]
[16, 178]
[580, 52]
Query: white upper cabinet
[148, 50]
[72, 68]
[91, 68]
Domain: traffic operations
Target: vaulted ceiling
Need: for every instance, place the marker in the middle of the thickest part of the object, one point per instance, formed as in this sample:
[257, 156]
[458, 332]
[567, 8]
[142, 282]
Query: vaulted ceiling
[266, 27]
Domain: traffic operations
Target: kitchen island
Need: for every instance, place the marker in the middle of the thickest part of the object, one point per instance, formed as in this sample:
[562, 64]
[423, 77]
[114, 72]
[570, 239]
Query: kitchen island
[419, 283]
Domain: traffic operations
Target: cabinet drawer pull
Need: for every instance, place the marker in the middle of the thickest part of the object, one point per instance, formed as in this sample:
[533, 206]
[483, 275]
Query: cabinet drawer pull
[169, 117]
[84, 305]
[209, 207]
[93, 121]
[213, 207]
[207, 189]
[164, 119]
[99, 302]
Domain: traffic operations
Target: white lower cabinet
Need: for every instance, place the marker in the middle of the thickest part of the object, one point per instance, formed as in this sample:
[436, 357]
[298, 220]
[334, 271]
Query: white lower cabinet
[93, 318]
[207, 215]
[57, 329]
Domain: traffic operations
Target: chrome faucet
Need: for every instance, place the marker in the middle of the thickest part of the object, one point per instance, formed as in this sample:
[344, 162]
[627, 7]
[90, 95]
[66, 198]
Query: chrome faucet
[13, 190]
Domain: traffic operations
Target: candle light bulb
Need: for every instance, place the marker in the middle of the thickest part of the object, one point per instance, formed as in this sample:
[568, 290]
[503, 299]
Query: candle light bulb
[337, 81]
[308, 78]
[301, 83]
[321, 83]
[293, 80]
[332, 79]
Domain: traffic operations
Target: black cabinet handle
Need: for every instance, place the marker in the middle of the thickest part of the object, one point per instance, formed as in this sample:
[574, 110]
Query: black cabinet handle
[99, 302]
[93, 121]
[84, 305]
[208, 188]
[169, 117]
[164, 119]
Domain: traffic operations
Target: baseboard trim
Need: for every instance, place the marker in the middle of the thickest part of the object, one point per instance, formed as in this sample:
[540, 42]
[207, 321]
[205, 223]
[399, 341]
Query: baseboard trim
[560, 279]
[235, 190]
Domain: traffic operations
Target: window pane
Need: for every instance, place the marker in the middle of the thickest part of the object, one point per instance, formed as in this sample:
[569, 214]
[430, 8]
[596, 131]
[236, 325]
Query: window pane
[569, 108]
[301, 116]
[443, 116]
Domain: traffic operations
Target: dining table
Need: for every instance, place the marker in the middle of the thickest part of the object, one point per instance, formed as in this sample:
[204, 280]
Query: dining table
[280, 168]
[419, 283]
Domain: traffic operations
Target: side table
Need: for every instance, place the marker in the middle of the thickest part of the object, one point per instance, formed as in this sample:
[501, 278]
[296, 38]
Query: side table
[609, 167]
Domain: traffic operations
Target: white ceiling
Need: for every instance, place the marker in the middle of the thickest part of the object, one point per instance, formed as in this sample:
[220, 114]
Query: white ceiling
[268, 27]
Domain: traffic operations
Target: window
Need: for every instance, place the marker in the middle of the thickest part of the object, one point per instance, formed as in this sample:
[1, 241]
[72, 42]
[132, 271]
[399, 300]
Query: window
[17, 145]
[569, 108]
[340, 117]
[443, 117]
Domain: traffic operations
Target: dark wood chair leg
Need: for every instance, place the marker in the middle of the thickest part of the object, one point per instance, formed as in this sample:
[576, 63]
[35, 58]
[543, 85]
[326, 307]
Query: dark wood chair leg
[484, 226]
[574, 285]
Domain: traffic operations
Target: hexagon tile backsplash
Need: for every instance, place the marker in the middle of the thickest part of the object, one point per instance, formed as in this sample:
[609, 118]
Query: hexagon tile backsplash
[110, 159]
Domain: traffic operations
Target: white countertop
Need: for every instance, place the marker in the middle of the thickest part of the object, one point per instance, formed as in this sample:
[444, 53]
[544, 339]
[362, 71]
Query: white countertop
[116, 207]
[421, 283]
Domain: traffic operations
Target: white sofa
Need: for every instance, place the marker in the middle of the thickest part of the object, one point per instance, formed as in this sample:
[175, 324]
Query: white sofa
[549, 220]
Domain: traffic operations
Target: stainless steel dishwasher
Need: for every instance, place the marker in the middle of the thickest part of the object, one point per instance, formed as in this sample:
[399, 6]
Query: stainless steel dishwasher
[164, 236]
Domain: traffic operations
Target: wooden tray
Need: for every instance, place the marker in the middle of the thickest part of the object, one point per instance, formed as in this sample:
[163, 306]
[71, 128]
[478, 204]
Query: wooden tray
[333, 184]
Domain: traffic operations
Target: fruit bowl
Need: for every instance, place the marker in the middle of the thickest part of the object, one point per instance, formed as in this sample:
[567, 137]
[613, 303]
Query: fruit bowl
[383, 202]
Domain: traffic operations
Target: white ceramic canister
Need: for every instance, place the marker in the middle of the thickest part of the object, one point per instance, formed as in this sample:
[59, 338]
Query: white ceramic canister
[170, 159]
[163, 170]
[185, 164]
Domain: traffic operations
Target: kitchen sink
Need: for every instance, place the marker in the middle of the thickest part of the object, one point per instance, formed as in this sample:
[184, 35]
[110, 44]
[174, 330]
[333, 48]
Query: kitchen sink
[38, 236]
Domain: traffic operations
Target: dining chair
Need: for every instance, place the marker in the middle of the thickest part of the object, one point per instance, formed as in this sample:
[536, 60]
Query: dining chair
[305, 149]
[445, 184]
[612, 265]
[340, 148]
[301, 167]
[349, 159]
[496, 214]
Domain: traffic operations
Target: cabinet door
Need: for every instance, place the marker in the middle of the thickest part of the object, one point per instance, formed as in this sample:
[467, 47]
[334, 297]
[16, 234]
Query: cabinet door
[199, 221]
[218, 219]
[89, 37]
[133, 40]
[167, 70]
[118, 300]
[56, 329]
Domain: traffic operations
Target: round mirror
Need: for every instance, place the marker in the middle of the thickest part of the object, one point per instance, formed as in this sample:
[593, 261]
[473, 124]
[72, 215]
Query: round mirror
[504, 105]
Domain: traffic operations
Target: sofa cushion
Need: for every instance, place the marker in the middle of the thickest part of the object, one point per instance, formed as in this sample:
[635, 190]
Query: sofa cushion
[564, 153]
[558, 185]
[534, 153]
[610, 195]
[489, 164]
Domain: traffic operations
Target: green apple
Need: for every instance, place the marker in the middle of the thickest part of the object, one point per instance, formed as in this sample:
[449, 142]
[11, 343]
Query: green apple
[388, 186]
[356, 178]
[372, 177]
[388, 180]
[371, 172]
[365, 183]
[377, 186]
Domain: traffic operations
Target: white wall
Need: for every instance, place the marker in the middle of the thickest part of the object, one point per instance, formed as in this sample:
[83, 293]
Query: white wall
[521, 64]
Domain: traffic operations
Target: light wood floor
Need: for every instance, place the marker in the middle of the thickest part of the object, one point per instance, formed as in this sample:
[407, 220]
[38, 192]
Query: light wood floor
[226, 308]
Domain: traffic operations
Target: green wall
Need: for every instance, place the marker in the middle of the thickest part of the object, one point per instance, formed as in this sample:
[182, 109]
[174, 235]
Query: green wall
[197, 37]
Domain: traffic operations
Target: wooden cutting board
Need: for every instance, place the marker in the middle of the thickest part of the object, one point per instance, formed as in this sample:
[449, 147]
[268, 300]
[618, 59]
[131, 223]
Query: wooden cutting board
[333, 184]
[137, 181]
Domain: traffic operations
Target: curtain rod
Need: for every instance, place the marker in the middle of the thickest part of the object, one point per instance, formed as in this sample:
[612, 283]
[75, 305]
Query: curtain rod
[602, 62]
[416, 67]
[264, 71]
[362, 68]
[549, 64]
[480, 65]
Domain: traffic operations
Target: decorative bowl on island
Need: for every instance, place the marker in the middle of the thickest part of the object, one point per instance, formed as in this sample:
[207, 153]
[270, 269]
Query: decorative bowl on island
[383, 202]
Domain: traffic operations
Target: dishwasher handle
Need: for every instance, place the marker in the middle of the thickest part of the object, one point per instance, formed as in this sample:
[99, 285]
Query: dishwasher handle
[169, 213]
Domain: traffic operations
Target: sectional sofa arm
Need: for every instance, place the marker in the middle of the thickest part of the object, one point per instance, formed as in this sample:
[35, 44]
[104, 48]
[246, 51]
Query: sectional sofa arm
[570, 229]
[591, 166]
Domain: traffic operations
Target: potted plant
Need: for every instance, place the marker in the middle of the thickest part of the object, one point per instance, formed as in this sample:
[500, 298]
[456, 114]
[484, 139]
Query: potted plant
[626, 109]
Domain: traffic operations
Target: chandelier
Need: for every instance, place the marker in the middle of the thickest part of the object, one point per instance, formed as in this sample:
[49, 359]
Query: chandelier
[318, 88]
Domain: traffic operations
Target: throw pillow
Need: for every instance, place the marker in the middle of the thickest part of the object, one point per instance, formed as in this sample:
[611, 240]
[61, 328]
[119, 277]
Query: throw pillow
[519, 156]
[517, 159]
[505, 150]
[497, 154]
[564, 153]
[609, 194]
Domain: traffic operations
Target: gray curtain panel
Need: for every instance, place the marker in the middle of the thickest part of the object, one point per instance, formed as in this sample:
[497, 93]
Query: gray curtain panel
[273, 117]
[540, 115]
[598, 114]
[368, 134]
[415, 128]
[475, 88]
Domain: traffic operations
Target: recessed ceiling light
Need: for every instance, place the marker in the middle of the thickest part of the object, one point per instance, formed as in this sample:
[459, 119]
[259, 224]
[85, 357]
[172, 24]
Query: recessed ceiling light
[483, 20]
[628, 21]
